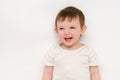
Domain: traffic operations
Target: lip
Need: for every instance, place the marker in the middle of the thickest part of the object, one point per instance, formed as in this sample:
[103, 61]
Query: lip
[68, 39]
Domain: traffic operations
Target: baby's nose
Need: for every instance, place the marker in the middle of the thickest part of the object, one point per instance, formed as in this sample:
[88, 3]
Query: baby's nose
[67, 32]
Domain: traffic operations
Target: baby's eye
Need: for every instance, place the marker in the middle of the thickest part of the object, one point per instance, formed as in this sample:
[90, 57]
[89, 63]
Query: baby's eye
[72, 27]
[61, 28]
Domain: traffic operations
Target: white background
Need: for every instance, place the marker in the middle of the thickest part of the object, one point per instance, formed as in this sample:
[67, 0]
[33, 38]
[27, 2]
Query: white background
[27, 31]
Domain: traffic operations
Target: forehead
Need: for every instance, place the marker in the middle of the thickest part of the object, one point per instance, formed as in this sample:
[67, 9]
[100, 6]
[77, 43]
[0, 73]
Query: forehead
[68, 20]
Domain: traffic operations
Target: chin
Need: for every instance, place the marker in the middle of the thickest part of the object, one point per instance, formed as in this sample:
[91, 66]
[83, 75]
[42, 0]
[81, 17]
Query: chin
[68, 45]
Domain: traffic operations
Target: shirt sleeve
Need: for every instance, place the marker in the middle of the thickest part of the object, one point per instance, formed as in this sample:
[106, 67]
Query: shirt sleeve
[49, 58]
[93, 58]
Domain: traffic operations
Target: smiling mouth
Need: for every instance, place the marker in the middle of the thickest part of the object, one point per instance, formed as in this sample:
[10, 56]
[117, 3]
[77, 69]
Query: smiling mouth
[68, 39]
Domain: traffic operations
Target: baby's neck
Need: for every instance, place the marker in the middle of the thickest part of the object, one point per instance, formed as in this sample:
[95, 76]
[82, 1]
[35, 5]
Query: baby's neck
[77, 46]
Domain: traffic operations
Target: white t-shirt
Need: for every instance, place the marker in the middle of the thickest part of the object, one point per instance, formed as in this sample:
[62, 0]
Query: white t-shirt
[71, 65]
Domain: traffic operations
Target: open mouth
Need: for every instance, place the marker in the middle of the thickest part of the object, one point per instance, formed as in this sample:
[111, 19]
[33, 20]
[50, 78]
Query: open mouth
[68, 39]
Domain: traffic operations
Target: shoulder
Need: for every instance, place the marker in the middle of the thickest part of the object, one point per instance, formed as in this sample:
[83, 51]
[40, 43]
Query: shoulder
[89, 49]
[52, 50]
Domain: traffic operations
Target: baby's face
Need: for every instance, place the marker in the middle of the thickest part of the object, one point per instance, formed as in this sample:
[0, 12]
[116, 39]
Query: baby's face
[69, 31]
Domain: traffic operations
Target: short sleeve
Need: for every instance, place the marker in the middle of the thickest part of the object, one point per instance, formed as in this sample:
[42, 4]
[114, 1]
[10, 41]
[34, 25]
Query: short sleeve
[93, 58]
[49, 58]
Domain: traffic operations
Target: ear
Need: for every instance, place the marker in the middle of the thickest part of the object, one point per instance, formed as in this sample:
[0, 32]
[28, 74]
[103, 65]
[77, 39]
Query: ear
[55, 30]
[84, 29]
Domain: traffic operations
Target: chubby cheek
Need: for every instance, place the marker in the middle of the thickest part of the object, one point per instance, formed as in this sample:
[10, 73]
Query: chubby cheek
[76, 35]
[60, 36]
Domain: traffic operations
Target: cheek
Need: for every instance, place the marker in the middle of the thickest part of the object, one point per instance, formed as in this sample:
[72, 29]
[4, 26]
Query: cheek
[77, 34]
[59, 34]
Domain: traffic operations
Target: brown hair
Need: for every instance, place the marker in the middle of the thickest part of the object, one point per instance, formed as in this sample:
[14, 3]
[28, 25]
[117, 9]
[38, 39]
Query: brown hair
[70, 13]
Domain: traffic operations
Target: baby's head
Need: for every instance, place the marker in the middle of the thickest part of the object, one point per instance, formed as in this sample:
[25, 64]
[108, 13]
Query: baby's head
[70, 25]
[70, 13]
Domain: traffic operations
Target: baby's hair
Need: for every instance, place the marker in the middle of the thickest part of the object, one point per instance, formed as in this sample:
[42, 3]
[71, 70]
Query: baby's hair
[70, 13]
